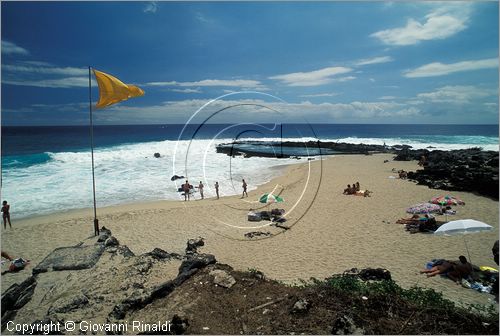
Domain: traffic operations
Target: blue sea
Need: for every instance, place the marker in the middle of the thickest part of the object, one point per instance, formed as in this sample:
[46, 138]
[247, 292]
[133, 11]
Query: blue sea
[48, 169]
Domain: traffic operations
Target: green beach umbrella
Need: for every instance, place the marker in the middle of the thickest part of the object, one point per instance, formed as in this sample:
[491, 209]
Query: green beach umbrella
[270, 198]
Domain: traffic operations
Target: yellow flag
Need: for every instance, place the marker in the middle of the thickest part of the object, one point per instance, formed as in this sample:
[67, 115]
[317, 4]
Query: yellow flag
[112, 90]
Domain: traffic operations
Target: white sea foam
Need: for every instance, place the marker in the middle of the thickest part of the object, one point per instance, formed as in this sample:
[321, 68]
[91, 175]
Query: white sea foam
[129, 173]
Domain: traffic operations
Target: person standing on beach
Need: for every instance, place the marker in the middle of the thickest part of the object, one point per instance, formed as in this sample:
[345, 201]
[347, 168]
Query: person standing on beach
[200, 188]
[217, 189]
[185, 187]
[244, 189]
[6, 214]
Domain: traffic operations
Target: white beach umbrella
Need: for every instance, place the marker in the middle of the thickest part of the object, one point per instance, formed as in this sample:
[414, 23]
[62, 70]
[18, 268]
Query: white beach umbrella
[462, 226]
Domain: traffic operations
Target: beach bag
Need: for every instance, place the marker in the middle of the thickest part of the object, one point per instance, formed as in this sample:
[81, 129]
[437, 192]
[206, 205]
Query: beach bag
[17, 265]
[254, 217]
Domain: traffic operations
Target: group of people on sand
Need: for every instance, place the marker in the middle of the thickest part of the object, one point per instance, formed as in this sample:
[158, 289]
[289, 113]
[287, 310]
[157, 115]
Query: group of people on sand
[351, 190]
[455, 270]
[356, 190]
[186, 189]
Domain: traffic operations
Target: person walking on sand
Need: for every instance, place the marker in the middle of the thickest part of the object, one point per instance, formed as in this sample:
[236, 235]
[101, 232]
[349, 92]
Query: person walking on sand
[217, 189]
[6, 214]
[185, 188]
[200, 188]
[244, 189]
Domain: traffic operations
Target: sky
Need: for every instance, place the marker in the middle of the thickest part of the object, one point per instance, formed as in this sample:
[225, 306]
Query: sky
[318, 62]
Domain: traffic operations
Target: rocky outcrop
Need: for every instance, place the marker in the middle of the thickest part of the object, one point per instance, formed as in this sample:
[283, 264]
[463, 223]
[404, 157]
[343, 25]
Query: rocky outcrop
[459, 170]
[241, 148]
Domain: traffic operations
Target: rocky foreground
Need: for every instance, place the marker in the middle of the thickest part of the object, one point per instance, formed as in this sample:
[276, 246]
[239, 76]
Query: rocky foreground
[101, 287]
[471, 170]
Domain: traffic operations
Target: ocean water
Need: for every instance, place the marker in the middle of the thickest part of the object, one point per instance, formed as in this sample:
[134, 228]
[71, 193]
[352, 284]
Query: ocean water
[48, 169]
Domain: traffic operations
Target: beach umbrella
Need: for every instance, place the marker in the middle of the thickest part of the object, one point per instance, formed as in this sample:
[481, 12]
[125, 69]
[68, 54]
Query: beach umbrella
[447, 200]
[424, 208]
[463, 226]
[270, 198]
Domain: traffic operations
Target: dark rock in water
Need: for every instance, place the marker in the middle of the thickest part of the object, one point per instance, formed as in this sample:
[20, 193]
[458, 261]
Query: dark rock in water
[157, 155]
[176, 177]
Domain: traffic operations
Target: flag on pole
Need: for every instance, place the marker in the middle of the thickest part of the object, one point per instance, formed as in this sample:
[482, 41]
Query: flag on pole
[112, 90]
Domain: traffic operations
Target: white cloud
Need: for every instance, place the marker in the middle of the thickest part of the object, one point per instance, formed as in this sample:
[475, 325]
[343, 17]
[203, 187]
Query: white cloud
[387, 98]
[440, 69]
[68, 82]
[181, 111]
[313, 78]
[186, 90]
[241, 83]
[443, 22]
[375, 60]
[10, 48]
[151, 7]
[333, 94]
[458, 94]
[67, 71]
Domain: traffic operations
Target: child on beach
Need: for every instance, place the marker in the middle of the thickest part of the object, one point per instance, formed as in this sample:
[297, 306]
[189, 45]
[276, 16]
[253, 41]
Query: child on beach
[6, 214]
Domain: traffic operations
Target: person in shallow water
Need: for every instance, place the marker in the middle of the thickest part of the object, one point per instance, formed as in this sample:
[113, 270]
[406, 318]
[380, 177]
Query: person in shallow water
[200, 188]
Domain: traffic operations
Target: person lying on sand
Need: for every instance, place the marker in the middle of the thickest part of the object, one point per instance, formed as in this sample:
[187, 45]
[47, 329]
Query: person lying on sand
[456, 271]
[415, 219]
[439, 268]
[412, 220]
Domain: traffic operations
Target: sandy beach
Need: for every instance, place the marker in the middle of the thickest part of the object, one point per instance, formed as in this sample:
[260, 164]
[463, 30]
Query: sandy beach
[330, 232]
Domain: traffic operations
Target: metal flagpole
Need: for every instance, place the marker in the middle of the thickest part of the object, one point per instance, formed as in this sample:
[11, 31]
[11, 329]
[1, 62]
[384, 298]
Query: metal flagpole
[96, 221]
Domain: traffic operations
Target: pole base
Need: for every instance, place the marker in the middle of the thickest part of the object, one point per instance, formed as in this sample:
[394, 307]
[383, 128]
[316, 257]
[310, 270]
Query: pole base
[96, 226]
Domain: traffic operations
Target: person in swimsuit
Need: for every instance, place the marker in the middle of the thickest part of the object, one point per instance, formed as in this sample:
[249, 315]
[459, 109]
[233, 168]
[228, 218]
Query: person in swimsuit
[217, 189]
[443, 267]
[244, 189]
[200, 188]
[185, 188]
[6, 214]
